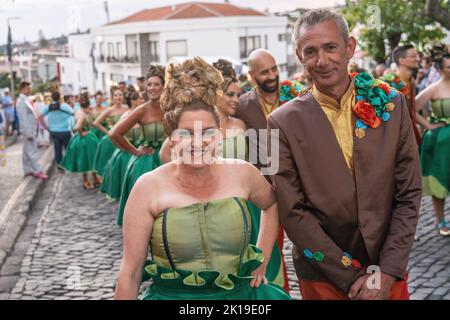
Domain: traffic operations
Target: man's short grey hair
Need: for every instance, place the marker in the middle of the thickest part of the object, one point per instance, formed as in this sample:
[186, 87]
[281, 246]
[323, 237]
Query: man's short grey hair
[313, 17]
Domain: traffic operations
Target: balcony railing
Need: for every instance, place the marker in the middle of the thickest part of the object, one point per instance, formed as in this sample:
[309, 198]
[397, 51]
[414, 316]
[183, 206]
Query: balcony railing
[113, 59]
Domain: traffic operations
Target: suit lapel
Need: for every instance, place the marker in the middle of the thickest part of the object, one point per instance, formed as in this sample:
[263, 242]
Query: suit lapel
[257, 115]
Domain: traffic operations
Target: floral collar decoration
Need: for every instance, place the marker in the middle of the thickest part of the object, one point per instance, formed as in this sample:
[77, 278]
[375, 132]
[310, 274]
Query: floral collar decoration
[290, 89]
[373, 102]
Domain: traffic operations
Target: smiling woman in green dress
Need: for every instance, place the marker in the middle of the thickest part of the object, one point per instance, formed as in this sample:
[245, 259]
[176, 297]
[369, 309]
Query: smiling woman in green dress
[192, 210]
[111, 115]
[115, 169]
[435, 147]
[149, 117]
[96, 112]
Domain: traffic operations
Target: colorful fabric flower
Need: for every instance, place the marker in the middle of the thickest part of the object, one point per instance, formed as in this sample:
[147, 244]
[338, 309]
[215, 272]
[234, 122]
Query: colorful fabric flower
[366, 113]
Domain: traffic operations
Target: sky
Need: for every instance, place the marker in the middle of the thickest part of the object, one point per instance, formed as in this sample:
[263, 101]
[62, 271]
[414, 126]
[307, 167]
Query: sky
[56, 17]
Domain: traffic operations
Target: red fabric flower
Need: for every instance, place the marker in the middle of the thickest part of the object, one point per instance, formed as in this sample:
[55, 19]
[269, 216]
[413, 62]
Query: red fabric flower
[353, 74]
[397, 80]
[385, 88]
[366, 113]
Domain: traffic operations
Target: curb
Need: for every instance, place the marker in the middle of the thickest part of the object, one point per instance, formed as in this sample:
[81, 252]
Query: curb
[16, 216]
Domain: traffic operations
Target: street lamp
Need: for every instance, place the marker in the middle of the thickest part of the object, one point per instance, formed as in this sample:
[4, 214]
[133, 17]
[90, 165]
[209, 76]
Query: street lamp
[11, 62]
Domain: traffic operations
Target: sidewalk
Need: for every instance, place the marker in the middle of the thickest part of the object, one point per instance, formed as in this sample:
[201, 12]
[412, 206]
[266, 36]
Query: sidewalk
[18, 194]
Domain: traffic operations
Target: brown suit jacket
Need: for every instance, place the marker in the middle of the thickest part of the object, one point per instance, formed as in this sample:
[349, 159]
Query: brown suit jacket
[250, 111]
[372, 215]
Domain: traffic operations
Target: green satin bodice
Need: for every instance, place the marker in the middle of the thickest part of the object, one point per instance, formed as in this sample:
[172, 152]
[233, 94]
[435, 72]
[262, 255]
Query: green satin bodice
[203, 236]
[441, 110]
[235, 147]
[134, 135]
[153, 135]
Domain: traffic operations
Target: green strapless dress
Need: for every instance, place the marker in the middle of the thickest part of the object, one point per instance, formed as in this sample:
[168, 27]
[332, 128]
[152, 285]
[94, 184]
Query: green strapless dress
[80, 152]
[203, 252]
[105, 149]
[152, 136]
[435, 152]
[236, 148]
[100, 134]
[116, 167]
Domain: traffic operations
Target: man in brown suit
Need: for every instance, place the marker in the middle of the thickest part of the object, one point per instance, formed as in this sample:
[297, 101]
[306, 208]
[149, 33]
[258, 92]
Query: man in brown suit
[347, 199]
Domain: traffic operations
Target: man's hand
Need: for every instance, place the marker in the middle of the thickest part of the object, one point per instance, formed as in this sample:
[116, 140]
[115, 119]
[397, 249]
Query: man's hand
[360, 291]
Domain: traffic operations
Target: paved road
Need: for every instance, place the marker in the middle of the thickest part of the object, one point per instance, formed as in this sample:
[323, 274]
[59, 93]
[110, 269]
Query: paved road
[75, 250]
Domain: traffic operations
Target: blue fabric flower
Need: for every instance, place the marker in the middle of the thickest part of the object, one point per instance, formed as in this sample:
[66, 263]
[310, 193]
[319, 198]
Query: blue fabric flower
[358, 98]
[361, 125]
[308, 254]
[385, 116]
[392, 94]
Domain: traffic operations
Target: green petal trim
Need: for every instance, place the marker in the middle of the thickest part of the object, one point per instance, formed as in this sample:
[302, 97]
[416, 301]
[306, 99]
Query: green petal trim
[432, 187]
[212, 279]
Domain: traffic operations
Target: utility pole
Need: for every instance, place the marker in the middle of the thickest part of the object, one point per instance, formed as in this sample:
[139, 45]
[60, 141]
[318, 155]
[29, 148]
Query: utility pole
[107, 11]
[10, 54]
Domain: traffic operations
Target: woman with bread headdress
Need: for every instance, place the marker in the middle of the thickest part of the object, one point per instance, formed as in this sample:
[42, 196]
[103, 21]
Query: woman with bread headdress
[116, 166]
[79, 156]
[193, 210]
[111, 116]
[145, 153]
[435, 147]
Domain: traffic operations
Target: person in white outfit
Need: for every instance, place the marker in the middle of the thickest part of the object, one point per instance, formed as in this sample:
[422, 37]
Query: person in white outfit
[29, 125]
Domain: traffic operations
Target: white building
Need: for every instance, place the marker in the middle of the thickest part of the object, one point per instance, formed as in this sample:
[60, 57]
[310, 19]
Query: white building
[124, 49]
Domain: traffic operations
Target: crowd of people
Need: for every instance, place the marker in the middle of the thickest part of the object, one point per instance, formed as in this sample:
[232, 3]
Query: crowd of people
[347, 190]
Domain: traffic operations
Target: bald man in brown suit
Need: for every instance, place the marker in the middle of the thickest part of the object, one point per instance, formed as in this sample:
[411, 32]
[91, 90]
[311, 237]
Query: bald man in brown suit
[347, 199]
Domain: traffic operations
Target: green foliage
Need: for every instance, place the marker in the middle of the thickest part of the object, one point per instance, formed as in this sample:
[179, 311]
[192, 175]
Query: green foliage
[401, 22]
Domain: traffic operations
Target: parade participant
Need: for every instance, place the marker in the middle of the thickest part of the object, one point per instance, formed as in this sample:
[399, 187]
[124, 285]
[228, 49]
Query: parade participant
[60, 117]
[348, 184]
[96, 112]
[116, 167]
[194, 215]
[111, 115]
[29, 126]
[435, 147]
[149, 116]
[255, 106]
[79, 157]
[407, 61]
[233, 145]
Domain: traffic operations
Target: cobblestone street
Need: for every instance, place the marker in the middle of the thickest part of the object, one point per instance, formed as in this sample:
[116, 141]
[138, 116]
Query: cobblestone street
[75, 249]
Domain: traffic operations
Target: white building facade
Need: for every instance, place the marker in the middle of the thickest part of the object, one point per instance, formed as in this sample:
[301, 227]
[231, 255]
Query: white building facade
[124, 50]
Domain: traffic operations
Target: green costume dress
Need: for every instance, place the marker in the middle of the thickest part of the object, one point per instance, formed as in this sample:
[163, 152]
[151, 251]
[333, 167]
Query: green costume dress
[236, 148]
[435, 152]
[116, 166]
[100, 134]
[203, 252]
[152, 136]
[80, 151]
[105, 148]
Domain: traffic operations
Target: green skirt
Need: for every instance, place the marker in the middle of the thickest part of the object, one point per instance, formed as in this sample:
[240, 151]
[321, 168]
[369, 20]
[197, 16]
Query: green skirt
[114, 173]
[210, 284]
[435, 162]
[104, 152]
[79, 156]
[98, 133]
[137, 166]
[275, 268]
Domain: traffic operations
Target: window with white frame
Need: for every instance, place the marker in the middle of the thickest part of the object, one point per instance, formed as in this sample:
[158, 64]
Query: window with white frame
[248, 44]
[176, 48]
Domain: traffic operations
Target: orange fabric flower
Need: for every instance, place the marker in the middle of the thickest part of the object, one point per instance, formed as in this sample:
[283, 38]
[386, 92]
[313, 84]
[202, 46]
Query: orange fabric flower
[366, 113]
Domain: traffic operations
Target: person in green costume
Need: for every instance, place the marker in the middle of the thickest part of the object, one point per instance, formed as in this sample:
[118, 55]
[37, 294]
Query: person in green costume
[96, 112]
[82, 146]
[116, 166]
[111, 116]
[149, 117]
[193, 210]
[435, 147]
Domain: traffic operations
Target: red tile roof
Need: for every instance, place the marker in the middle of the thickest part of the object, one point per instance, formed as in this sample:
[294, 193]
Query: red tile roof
[190, 10]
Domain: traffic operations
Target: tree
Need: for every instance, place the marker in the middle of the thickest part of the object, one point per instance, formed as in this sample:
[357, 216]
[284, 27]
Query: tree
[43, 42]
[439, 11]
[399, 21]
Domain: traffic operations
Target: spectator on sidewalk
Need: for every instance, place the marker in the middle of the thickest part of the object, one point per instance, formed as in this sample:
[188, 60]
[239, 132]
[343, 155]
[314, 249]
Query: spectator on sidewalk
[43, 134]
[60, 120]
[29, 122]
[2, 138]
[8, 110]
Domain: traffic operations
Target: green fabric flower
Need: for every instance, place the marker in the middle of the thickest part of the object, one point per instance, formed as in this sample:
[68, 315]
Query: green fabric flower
[364, 81]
